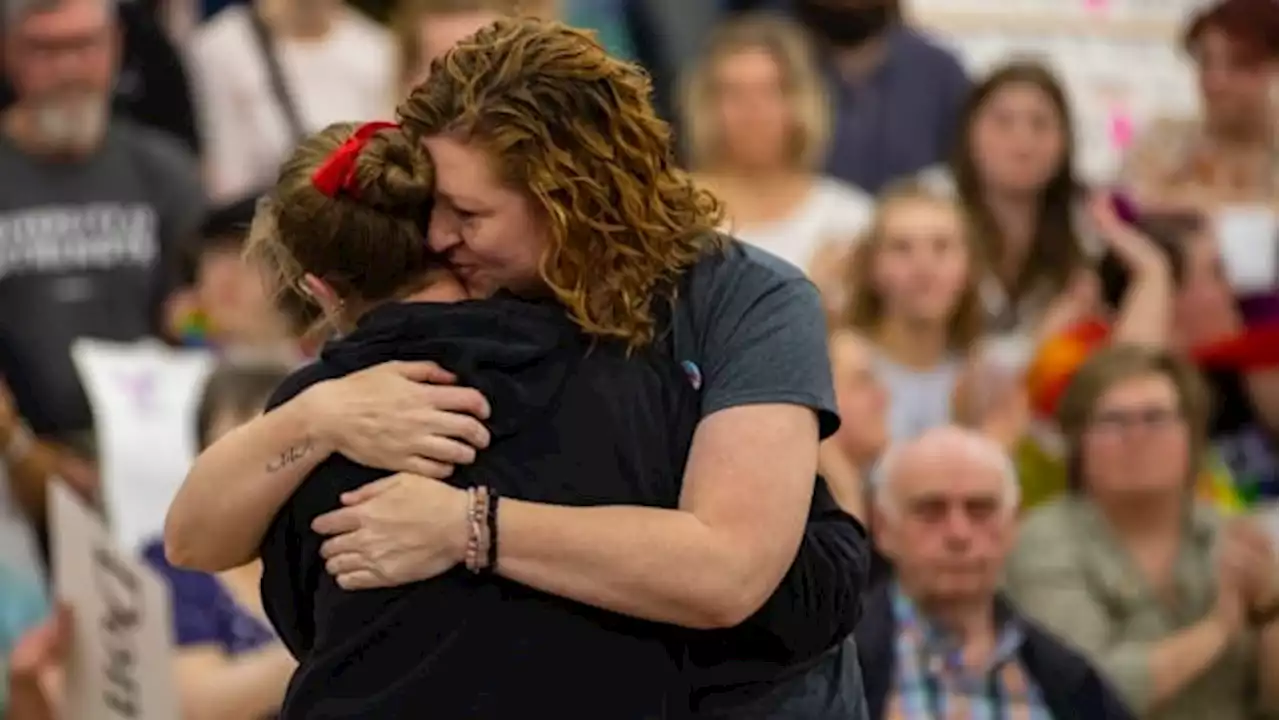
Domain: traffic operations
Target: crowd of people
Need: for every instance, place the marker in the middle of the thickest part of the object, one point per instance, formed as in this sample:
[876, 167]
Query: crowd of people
[1042, 412]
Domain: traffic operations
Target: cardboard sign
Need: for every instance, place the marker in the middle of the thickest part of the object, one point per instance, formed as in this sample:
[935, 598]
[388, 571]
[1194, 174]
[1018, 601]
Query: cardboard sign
[144, 398]
[1247, 240]
[119, 666]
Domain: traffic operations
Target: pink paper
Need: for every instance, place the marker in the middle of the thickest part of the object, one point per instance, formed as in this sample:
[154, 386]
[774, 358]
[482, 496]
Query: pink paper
[1120, 129]
[1095, 4]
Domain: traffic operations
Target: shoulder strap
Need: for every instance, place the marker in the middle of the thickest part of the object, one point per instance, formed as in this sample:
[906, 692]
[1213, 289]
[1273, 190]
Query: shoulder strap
[275, 75]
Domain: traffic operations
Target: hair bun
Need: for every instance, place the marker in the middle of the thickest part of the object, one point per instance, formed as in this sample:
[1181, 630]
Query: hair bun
[395, 174]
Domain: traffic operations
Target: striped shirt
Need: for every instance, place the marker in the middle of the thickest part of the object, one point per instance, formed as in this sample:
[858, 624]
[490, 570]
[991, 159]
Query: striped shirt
[932, 683]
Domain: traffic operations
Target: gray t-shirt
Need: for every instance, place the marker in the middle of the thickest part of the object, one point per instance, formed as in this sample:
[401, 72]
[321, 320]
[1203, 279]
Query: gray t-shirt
[751, 329]
[85, 251]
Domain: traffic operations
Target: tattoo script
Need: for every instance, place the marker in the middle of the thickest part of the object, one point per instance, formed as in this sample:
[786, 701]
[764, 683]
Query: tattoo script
[290, 456]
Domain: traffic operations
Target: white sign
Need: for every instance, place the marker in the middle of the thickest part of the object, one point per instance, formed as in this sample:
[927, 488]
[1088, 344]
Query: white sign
[119, 666]
[1247, 240]
[144, 398]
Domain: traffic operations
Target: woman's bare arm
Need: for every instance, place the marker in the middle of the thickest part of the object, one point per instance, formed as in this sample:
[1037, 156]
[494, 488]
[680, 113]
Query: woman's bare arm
[236, 486]
[712, 563]
[213, 686]
[388, 416]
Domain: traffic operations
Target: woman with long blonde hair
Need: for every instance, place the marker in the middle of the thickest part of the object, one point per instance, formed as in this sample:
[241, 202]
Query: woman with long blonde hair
[758, 122]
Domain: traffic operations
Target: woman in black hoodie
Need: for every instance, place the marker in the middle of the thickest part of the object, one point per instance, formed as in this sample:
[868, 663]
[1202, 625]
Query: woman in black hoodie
[573, 421]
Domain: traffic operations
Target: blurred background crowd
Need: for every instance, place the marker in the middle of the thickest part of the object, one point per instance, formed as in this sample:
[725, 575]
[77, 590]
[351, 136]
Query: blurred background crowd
[1112, 327]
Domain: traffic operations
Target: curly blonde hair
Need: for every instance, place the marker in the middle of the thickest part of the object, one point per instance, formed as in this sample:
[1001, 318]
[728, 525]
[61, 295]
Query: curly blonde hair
[369, 245]
[864, 307]
[574, 128]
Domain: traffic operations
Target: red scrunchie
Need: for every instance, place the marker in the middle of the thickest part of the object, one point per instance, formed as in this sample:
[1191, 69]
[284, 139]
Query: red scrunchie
[338, 172]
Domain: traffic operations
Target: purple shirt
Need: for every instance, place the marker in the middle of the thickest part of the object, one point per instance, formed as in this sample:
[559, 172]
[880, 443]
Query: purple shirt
[204, 612]
[902, 118]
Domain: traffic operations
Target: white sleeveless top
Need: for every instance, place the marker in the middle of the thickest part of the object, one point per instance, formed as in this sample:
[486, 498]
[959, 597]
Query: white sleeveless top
[833, 212]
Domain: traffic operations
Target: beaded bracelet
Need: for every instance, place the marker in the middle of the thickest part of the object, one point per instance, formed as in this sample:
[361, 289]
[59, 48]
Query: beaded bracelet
[491, 522]
[482, 525]
[480, 549]
[473, 532]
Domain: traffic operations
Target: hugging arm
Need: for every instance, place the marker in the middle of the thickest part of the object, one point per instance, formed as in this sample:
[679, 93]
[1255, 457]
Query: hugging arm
[748, 486]
[382, 417]
[237, 485]
[819, 601]
[711, 563]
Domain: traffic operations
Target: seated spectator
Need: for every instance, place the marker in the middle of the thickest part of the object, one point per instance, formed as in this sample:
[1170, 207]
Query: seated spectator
[1206, 325]
[426, 29]
[1014, 173]
[913, 284]
[229, 664]
[268, 73]
[229, 306]
[1176, 606]
[758, 124]
[897, 93]
[93, 214]
[941, 641]
[1229, 154]
[847, 457]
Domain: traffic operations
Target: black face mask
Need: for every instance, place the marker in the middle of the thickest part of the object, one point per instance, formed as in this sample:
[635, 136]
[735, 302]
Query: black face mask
[842, 25]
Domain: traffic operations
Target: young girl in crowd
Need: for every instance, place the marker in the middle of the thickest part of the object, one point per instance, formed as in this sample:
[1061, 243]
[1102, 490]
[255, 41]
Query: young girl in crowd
[228, 663]
[914, 296]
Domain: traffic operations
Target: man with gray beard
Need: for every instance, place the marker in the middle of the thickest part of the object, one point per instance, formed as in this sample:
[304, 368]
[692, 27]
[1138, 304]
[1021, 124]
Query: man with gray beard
[91, 210]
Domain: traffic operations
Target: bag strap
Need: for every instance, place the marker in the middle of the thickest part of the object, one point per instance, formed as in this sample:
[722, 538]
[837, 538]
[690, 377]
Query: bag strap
[275, 75]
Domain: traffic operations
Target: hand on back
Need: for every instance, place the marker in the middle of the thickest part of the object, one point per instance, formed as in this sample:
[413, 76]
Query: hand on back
[404, 417]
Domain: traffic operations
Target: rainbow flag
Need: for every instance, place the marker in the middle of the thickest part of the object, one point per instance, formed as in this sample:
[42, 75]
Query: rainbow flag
[193, 329]
[1217, 487]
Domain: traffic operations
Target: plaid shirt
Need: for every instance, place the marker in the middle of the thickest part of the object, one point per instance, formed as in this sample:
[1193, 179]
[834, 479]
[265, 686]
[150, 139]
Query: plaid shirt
[931, 683]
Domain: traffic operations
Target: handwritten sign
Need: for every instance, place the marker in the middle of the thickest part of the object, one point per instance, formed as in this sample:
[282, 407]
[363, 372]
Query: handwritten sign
[119, 666]
[144, 399]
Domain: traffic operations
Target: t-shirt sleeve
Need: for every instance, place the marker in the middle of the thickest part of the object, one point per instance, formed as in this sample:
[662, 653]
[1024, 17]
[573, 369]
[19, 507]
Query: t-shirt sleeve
[762, 336]
[195, 597]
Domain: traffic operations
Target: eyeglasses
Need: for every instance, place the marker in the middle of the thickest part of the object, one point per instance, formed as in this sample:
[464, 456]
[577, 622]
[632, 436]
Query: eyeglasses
[1151, 418]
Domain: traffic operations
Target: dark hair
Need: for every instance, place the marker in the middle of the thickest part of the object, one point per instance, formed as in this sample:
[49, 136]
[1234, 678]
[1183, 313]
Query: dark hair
[1169, 232]
[369, 245]
[223, 228]
[575, 129]
[1056, 252]
[1252, 25]
[241, 389]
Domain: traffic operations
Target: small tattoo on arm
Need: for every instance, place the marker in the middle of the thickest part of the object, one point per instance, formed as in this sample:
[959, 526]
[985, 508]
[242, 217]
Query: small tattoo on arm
[290, 456]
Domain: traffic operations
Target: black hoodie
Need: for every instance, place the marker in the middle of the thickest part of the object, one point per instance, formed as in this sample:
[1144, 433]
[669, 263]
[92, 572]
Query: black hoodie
[572, 424]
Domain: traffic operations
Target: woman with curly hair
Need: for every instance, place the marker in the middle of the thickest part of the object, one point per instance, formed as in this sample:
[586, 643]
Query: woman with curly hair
[556, 180]
[349, 228]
